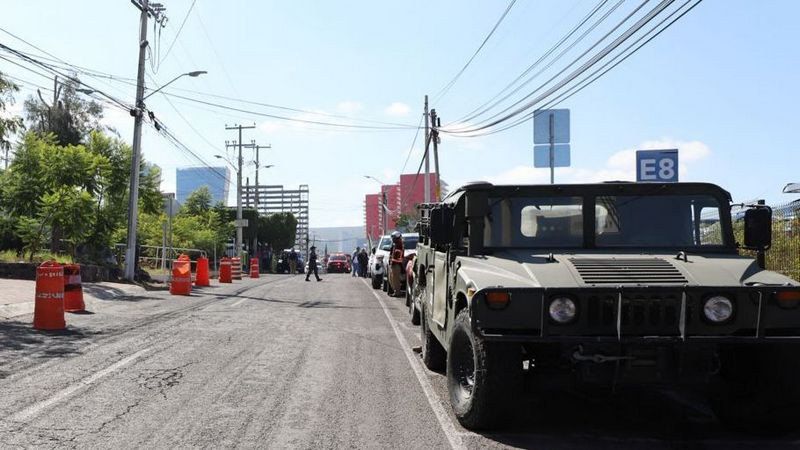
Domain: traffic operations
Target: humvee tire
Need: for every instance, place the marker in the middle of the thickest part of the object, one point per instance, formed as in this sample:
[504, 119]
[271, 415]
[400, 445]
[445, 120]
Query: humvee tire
[376, 282]
[433, 354]
[759, 392]
[483, 378]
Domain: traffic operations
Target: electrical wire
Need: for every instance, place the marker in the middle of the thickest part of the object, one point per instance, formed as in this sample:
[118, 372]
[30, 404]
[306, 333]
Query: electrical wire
[442, 92]
[411, 149]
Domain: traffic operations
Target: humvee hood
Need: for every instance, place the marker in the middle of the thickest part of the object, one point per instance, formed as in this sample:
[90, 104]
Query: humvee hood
[522, 268]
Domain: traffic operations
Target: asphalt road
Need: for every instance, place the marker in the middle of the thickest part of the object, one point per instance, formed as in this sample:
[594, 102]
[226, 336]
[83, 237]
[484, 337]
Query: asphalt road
[281, 363]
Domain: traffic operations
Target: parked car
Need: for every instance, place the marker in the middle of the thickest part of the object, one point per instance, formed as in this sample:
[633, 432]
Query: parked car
[377, 261]
[339, 263]
[604, 286]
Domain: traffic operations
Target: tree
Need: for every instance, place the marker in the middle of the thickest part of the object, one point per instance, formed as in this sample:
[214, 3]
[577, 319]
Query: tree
[68, 116]
[406, 222]
[198, 202]
[279, 230]
[8, 124]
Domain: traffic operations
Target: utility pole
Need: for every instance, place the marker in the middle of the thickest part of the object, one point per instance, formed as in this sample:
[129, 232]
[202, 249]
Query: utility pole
[385, 211]
[258, 165]
[156, 10]
[239, 222]
[435, 124]
[427, 196]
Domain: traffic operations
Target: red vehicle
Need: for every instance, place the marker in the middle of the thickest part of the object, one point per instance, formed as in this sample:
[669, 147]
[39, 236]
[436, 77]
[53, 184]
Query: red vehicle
[338, 263]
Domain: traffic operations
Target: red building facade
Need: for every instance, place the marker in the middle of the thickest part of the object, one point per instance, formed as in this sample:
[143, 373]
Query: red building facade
[401, 198]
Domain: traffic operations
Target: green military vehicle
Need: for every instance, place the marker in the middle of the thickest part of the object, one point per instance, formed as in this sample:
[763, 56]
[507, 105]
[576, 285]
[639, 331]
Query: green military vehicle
[604, 285]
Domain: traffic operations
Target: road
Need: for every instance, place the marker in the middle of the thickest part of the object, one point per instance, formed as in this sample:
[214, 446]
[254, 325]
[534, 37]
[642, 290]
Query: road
[280, 363]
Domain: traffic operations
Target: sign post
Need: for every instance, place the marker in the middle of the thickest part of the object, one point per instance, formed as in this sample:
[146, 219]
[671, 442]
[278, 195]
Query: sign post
[659, 166]
[551, 130]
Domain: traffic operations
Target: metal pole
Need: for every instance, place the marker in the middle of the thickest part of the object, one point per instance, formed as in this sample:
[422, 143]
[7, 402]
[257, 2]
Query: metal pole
[427, 195]
[133, 197]
[552, 149]
[435, 139]
[385, 212]
[239, 199]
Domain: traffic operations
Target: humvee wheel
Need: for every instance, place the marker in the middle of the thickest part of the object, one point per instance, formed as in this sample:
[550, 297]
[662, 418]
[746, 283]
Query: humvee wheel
[412, 305]
[433, 354]
[376, 282]
[759, 392]
[482, 378]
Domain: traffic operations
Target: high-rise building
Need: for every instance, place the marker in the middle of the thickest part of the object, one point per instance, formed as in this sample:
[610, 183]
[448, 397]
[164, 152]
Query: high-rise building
[274, 199]
[189, 179]
[401, 198]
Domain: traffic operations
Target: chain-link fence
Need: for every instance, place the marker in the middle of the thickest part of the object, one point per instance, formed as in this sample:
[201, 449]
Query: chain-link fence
[784, 255]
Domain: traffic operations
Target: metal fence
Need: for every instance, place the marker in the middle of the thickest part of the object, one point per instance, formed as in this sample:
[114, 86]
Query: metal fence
[784, 255]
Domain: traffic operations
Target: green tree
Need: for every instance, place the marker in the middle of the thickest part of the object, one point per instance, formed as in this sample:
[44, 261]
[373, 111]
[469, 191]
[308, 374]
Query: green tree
[8, 124]
[279, 230]
[198, 202]
[67, 115]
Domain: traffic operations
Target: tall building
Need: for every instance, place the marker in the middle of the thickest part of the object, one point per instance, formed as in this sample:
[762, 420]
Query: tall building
[274, 199]
[189, 179]
[401, 198]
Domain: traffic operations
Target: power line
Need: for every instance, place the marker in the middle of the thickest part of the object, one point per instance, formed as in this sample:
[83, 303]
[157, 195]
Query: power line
[169, 49]
[411, 149]
[442, 92]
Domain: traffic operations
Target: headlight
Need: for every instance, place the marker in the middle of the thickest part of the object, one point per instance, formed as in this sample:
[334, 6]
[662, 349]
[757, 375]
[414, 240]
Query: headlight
[562, 310]
[718, 309]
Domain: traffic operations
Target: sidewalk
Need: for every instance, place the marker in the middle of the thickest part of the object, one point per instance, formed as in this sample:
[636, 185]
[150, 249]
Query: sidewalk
[17, 296]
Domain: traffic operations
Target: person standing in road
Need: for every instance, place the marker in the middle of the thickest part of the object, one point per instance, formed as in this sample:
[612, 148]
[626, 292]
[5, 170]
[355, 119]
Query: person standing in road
[363, 262]
[396, 263]
[354, 262]
[293, 262]
[312, 264]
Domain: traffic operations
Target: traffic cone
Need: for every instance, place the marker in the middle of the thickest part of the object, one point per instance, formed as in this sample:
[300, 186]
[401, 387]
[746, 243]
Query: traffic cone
[236, 268]
[202, 278]
[225, 275]
[253, 267]
[181, 283]
[73, 291]
[48, 311]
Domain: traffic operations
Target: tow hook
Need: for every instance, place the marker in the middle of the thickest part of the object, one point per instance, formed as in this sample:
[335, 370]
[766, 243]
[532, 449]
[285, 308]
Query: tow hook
[597, 358]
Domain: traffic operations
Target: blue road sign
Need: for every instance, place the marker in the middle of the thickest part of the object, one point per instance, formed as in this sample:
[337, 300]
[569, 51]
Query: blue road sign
[541, 155]
[541, 126]
[658, 166]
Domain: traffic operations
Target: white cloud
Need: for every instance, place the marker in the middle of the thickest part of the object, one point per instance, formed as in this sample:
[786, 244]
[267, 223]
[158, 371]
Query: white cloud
[397, 109]
[270, 126]
[349, 107]
[620, 166]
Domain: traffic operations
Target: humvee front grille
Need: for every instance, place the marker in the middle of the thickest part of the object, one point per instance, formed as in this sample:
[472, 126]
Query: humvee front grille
[642, 315]
[627, 271]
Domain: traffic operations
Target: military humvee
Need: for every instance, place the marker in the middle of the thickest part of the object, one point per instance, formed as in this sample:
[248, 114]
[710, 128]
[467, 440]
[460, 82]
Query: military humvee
[602, 285]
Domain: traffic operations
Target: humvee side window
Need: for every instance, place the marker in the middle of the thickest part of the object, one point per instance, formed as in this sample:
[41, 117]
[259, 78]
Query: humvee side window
[534, 222]
[657, 221]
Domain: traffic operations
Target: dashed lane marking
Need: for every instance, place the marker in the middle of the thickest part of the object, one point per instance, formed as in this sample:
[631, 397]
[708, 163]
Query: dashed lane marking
[451, 433]
[34, 410]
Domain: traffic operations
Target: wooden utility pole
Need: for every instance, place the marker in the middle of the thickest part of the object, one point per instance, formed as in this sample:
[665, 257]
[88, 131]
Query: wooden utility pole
[427, 195]
[239, 222]
[435, 124]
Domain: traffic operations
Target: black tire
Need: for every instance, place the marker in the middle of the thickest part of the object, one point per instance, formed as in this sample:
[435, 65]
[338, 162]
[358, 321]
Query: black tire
[376, 283]
[759, 392]
[483, 378]
[415, 319]
[433, 354]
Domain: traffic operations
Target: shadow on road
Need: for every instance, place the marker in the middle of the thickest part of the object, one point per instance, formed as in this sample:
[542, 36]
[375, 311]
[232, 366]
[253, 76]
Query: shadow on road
[633, 419]
[19, 340]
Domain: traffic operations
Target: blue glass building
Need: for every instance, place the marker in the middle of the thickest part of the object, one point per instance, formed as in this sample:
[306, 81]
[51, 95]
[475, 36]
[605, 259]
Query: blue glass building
[189, 179]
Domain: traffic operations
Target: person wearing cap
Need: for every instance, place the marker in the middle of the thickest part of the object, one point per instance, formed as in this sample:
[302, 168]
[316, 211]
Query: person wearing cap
[312, 264]
[396, 255]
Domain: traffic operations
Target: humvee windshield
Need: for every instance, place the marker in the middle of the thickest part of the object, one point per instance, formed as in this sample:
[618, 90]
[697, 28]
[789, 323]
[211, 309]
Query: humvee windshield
[670, 221]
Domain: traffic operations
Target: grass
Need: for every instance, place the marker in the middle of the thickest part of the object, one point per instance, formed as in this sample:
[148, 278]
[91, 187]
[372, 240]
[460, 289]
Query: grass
[11, 256]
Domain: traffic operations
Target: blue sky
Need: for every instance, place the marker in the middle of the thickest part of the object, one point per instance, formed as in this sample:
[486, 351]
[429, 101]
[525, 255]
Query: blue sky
[721, 85]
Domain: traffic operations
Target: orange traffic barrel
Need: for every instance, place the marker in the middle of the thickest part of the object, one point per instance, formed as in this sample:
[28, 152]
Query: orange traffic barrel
[48, 311]
[73, 291]
[181, 283]
[202, 272]
[236, 268]
[253, 267]
[225, 271]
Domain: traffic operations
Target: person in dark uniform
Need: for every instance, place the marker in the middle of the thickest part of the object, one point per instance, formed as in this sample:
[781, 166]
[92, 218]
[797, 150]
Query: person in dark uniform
[312, 264]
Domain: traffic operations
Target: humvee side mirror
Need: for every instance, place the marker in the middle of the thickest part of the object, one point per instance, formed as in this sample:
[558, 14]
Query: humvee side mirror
[758, 228]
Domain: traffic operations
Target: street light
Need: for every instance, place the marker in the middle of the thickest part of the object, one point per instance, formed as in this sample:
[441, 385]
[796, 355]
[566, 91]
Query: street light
[133, 197]
[196, 73]
[385, 207]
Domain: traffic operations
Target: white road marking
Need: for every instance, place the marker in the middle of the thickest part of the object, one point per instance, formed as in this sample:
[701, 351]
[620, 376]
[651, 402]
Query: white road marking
[238, 302]
[449, 429]
[33, 410]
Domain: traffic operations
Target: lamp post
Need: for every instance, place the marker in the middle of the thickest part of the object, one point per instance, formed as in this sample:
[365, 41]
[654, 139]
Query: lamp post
[133, 197]
[385, 207]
